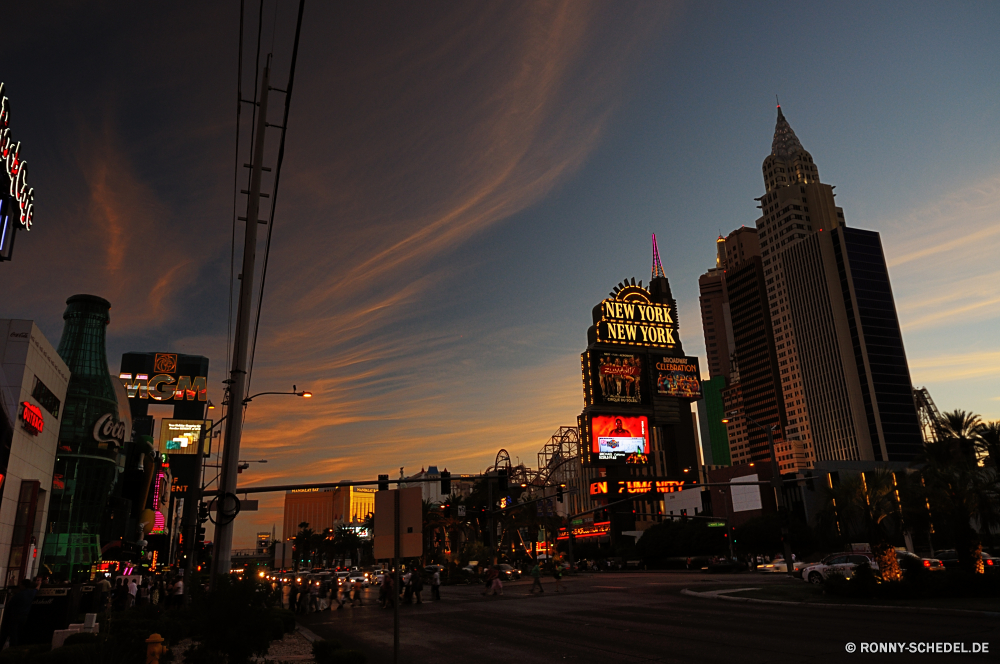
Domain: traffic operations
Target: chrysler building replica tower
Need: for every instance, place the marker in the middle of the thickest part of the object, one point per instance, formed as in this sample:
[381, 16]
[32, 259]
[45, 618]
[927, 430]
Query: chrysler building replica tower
[796, 204]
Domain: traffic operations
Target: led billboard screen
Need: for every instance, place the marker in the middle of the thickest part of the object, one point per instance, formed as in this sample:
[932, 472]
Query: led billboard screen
[678, 377]
[181, 436]
[620, 438]
[619, 378]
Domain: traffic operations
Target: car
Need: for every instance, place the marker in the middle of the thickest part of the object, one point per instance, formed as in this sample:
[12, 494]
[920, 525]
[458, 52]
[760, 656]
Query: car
[910, 562]
[508, 573]
[430, 569]
[359, 576]
[836, 563]
[949, 557]
[778, 566]
[342, 577]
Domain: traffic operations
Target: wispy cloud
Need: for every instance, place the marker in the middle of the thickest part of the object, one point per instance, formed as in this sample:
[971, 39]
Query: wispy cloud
[954, 367]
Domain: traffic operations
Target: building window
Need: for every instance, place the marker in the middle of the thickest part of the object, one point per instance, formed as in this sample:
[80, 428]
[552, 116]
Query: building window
[45, 398]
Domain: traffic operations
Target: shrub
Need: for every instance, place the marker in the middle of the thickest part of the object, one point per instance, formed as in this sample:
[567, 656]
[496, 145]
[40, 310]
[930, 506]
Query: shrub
[324, 651]
[287, 619]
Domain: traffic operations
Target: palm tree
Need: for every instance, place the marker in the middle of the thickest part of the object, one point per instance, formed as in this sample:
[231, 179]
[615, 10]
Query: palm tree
[864, 506]
[961, 491]
[988, 442]
[959, 428]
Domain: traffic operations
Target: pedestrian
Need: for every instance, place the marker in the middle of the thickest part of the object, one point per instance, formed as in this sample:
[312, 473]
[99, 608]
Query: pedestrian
[436, 585]
[491, 574]
[408, 588]
[536, 573]
[324, 598]
[133, 590]
[557, 575]
[314, 596]
[286, 595]
[387, 593]
[102, 595]
[417, 584]
[15, 614]
[178, 592]
[356, 593]
[339, 597]
[497, 582]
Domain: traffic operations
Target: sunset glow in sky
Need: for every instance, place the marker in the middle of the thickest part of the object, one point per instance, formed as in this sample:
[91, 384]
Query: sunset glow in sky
[463, 182]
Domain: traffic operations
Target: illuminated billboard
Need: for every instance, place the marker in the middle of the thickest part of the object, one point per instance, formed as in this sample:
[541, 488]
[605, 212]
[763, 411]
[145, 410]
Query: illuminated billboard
[620, 438]
[618, 378]
[181, 436]
[678, 377]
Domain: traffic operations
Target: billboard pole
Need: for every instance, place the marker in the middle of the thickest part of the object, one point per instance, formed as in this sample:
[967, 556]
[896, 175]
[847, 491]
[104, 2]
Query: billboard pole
[228, 502]
[395, 587]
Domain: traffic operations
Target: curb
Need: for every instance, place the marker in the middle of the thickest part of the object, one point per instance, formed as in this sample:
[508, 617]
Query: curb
[310, 636]
[917, 609]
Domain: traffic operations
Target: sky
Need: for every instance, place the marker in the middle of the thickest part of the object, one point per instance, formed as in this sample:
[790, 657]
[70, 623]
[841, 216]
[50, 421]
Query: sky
[463, 182]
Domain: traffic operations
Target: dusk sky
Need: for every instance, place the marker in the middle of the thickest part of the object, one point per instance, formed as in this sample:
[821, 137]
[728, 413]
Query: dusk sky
[463, 182]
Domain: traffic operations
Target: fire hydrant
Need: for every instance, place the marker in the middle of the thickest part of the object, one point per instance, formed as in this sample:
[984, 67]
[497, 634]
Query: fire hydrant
[154, 648]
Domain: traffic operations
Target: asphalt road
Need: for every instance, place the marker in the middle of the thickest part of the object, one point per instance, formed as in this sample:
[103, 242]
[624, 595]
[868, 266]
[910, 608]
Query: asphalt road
[638, 617]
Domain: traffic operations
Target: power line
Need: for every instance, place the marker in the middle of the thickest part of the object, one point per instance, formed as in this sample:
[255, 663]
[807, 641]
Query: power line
[274, 190]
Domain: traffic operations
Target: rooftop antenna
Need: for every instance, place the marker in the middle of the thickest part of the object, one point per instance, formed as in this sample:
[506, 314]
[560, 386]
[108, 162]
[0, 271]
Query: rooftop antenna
[657, 267]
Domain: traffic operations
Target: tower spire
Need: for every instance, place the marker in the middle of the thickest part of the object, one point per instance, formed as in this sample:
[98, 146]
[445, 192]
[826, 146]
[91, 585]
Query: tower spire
[785, 143]
[657, 267]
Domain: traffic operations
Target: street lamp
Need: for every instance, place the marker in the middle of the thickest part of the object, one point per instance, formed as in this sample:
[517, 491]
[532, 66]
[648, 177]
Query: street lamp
[295, 392]
[776, 484]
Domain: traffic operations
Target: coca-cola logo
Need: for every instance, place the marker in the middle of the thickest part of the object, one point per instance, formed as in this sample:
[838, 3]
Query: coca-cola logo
[18, 335]
[110, 431]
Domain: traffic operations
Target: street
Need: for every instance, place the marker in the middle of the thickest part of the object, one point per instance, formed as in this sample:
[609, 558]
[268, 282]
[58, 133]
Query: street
[633, 617]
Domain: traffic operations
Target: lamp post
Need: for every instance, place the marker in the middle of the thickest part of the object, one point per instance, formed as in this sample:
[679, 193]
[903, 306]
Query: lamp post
[776, 484]
[227, 481]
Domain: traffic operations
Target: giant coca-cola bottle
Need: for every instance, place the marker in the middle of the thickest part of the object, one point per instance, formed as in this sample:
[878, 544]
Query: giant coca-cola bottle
[91, 437]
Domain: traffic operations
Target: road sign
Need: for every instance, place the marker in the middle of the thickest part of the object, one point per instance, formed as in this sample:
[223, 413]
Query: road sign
[411, 539]
[716, 524]
[461, 510]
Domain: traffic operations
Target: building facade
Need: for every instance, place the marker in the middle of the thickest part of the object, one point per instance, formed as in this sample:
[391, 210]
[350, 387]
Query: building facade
[33, 382]
[325, 509]
[854, 371]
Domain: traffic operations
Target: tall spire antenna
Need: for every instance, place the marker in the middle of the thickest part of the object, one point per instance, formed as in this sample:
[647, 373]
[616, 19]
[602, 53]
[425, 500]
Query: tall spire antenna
[776, 100]
[657, 267]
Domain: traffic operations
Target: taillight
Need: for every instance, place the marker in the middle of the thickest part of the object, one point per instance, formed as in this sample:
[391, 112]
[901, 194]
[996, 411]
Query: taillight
[927, 563]
[989, 562]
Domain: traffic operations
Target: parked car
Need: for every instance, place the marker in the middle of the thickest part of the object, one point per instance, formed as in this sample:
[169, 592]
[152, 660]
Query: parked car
[909, 562]
[839, 563]
[949, 557]
[779, 566]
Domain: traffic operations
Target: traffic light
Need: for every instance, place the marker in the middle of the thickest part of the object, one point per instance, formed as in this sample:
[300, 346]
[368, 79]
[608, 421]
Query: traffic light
[732, 530]
[199, 539]
[445, 483]
[383, 482]
[502, 479]
[559, 493]
[447, 511]
[202, 512]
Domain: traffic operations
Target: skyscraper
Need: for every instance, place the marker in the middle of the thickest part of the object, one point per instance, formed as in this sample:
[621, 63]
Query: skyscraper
[827, 284]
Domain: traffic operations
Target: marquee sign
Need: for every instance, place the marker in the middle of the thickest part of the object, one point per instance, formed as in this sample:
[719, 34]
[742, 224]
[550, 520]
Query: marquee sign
[588, 530]
[15, 167]
[637, 323]
[604, 487]
[32, 418]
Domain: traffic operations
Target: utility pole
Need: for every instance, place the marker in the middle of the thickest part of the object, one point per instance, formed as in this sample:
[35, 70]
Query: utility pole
[779, 496]
[223, 544]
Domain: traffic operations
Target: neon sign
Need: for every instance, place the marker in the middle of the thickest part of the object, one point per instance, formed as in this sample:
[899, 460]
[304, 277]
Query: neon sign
[32, 417]
[635, 487]
[15, 167]
[591, 530]
[636, 324]
[161, 387]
